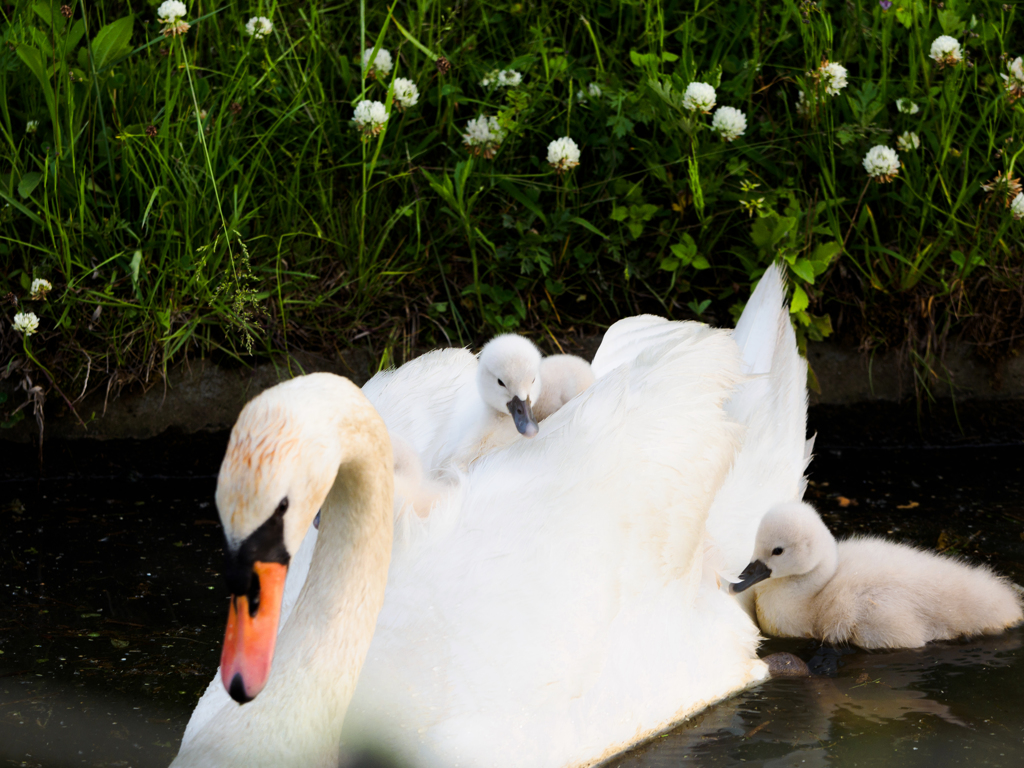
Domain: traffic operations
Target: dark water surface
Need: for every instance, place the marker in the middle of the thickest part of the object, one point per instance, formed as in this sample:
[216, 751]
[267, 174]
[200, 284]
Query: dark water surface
[113, 607]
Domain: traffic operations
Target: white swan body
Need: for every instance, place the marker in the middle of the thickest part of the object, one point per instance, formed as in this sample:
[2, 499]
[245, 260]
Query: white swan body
[868, 591]
[564, 377]
[555, 608]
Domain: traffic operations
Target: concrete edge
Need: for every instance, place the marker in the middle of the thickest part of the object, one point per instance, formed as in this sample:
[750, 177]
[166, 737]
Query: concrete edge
[202, 396]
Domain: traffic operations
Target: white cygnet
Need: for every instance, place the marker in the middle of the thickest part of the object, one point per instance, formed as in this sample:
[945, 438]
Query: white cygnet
[507, 384]
[564, 377]
[509, 379]
[867, 591]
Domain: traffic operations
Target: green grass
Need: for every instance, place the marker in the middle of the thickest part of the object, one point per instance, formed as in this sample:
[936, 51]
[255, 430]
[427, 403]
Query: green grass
[208, 194]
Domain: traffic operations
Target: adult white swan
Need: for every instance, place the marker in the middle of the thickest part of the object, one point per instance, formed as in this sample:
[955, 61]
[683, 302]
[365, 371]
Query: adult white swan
[558, 608]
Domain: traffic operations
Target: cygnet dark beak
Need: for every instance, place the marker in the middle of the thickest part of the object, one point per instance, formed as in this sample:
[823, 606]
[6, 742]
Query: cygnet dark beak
[753, 573]
[522, 415]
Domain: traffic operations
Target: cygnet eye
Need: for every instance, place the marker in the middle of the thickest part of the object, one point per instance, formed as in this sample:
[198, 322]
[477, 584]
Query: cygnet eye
[777, 551]
[501, 383]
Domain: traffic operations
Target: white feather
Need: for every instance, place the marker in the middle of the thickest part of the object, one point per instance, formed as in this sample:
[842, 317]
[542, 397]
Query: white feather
[556, 606]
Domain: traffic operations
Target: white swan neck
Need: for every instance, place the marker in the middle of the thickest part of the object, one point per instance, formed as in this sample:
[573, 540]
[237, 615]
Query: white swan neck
[297, 718]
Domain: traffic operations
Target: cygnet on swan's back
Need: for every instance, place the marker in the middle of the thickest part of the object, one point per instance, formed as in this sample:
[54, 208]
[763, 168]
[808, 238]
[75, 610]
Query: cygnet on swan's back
[563, 377]
[500, 410]
[509, 379]
[867, 591]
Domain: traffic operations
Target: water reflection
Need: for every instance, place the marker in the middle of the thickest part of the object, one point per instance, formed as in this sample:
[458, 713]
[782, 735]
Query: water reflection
[907, 706]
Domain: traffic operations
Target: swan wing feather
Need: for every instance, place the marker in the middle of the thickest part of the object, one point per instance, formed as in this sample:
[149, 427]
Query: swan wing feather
[560, 581]
[772, 404]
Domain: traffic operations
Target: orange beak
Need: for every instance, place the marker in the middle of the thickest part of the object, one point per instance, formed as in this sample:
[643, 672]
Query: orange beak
[250, 636]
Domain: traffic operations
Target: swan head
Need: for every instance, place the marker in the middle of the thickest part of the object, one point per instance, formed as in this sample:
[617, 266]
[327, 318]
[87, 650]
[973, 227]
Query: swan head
[281, 462]
[508, 378]
[791, 541]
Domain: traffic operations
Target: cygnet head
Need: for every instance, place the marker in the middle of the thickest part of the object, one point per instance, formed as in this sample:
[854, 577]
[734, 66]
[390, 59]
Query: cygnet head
[791, 541]
[508, 378]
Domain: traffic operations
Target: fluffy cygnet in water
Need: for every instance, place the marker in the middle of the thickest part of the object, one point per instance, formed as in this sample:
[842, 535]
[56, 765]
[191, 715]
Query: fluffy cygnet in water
[564, 377]
[867, 591]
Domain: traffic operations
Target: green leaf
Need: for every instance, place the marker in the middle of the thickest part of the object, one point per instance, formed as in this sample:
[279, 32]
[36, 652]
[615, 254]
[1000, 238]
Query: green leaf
[42, 10]
[74, 36]
[530, 204]
[684, 252]
[620, 125]
[645, 211]
[698, 309]
[34, 61]
[28, 183]
[950, 21]
[701, 263]
[41, 40]
[799, 301]
[820, 327]
[824, 255]
[803, 269]
[761, 233]
[669, 264]
[619, 213]
[136, 262]
[112, 41]
[588, 226]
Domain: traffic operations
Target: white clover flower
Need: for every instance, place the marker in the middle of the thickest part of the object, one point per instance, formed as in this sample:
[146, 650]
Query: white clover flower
[907, 107]
[729, 123]
[882, 163]
[833, 77]
[907, 141]
[509, 78]
[593, 91]
[40, 287]
[405, 93]
[803, 107]
[382, 62]
[171, 14]
[1014, 82]
[370, 117]
[31, 126]
[26, 323]
[1017, 206]
[699, 96]
[563, 154]
[483, 136]
[259, 27]
[945, 51]
[171, 11]
[503, 78]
